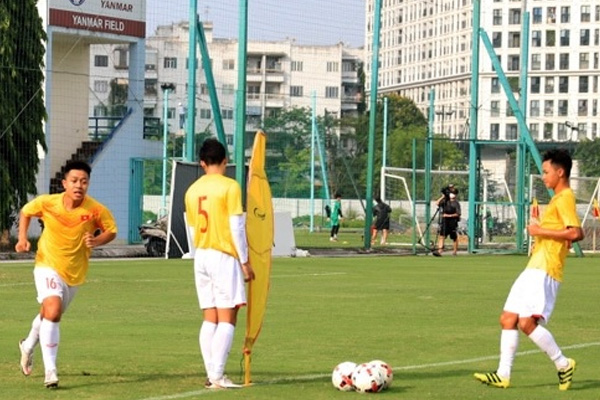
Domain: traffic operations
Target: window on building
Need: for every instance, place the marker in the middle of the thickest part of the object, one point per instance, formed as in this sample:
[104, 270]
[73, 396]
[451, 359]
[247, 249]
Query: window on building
[594, 107]
[584, 84]
[550, 38]
[548, 108]
[551, 15]
[585, 13]
[228, 64]
[514, 39]
[511, 131]
[297, 66]
[170, 112]
[332, 92]
[333, 66]
[563, 108]
[513, 62]
[565, 14]
[205, 113]
[549, 86]
[151, 87]
[536, 62]
[494, 131]
[495, 108]
[170, 62]
[582, 107]
[227, 113]
[584, 37]
[536, 38]
[227, 89]
[563, 84]
[581, 131]
[596, 37]
[497, 19]
[562, 133]
[509, 110]
[296, 91]
[565, 37]
[548, 128]
[534, 131]
[535, 84]
[514, 16]
[563, 62]
[534, 108]
[100, 61]
[497, 39]
[120, 58]
[495, 85]
[595, 60]
[537, 15]
[584, 60]
[100, 111]
[550, 62]
[101, 86]
[597, 14]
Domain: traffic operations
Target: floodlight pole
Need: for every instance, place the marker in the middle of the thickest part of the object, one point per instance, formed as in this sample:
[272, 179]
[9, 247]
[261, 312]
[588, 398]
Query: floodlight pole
[191, 98]
[372, 121]
[167, 88]
[240, 110]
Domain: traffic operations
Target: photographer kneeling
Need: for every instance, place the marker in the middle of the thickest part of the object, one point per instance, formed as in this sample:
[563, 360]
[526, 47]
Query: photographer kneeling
[450, 212]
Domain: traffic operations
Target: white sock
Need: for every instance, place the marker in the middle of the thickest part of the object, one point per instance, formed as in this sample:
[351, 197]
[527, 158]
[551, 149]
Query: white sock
[545, 341]
[509, 343]
[220, 348]
[49, 339]
[207, 332]
[34, 334]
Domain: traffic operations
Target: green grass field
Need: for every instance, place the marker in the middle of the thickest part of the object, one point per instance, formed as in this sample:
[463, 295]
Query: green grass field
[132, 331]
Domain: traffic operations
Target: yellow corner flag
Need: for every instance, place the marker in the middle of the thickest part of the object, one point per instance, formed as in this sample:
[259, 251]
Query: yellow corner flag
[535, 209]
[259, 229]
[596, 209]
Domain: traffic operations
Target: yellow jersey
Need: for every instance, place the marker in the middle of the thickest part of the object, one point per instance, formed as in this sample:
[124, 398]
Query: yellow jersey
[550, 254]
[209, 202]
[61, 245]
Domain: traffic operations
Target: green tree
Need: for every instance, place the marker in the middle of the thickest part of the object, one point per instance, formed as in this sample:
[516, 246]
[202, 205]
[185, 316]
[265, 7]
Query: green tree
[586, 153]
[22, 109]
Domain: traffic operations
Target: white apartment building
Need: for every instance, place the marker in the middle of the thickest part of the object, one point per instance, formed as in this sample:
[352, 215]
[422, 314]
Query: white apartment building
[280, 74]
[427, 44]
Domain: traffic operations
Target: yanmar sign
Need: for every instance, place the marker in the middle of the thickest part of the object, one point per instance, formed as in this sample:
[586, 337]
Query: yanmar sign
[120, 17]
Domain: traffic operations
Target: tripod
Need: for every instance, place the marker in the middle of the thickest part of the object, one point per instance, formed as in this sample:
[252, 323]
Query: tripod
[432, 247]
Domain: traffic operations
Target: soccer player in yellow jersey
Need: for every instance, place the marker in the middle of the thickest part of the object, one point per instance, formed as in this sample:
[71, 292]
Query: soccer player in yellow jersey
[213, 207]
[532, 296]
[71, 220]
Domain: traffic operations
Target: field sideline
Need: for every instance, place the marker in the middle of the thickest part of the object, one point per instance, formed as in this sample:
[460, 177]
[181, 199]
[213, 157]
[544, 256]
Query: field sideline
[132, 331]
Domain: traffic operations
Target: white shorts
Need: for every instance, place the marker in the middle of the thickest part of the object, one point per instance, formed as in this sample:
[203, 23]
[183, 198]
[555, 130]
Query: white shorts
[48, 283]
[219, 280]
[533, 295]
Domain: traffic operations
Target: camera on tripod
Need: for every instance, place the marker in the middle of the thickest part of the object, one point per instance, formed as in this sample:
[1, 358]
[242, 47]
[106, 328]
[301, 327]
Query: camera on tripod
[448, 190]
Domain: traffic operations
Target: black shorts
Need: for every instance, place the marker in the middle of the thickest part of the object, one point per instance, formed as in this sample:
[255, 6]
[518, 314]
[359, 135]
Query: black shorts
[381, 225]
[449, 228]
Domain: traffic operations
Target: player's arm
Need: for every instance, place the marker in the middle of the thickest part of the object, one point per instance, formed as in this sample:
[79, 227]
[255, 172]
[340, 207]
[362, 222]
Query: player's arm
[570, 233]
[92, 241]
[23, 244]
[237, 225]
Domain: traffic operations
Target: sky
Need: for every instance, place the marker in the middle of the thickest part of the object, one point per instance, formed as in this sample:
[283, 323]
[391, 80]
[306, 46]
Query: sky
[323, 22]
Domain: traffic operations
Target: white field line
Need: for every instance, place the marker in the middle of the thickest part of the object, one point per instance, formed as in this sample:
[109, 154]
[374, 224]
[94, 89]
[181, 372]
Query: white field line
[305, 378]
[168, 280]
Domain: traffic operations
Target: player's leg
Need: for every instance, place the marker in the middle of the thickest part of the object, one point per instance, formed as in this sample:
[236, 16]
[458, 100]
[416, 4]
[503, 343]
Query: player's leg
[206, 300]
[543, 305]
[27, 345]
[230, 295]
[509, 343]
[50, 337]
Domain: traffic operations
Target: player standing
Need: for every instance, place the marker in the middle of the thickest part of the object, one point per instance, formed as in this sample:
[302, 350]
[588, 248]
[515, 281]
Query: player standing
[533, 295]
[62, 259]
[214, 209]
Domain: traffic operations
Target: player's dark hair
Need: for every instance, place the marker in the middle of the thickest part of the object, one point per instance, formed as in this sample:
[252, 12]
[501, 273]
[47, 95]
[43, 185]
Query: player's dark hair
[559, 158]
[79, 166]
[212, 152]
[338, 195]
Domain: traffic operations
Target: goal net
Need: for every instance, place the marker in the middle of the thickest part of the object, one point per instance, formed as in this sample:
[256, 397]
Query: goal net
[405, 191]
[586, 195]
